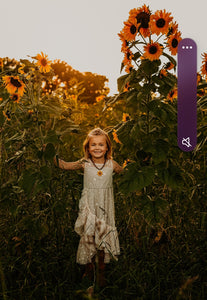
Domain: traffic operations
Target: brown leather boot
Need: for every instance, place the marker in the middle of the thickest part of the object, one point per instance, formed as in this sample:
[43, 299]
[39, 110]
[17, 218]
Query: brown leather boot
[101, 268]
[89, 271]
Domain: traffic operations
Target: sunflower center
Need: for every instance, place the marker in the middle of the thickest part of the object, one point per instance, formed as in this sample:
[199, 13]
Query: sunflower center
[133, 29]
[15, 97]
[160, 23]
[174, 43]
[153, 50]
[128, 55]
[43, 62]
[143, 18]
[15, 82]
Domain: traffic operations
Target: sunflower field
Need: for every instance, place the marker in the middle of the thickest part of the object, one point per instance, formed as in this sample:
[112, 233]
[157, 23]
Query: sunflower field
[160, 198]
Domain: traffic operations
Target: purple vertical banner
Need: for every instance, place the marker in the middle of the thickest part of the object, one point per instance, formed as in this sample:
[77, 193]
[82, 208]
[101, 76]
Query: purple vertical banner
[187, 95]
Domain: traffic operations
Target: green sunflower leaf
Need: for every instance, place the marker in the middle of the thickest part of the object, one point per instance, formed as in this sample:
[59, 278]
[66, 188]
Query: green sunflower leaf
[46, 172]
[153, 210]
[160, 151]
[136, 178]
[49, 152]
[121, 81]
[136, 56]
[172, 176]
[28, 180]
[150, 67]
[171, 59]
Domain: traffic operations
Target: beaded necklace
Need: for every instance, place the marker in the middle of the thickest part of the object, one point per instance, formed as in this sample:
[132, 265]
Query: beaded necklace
[99, 173]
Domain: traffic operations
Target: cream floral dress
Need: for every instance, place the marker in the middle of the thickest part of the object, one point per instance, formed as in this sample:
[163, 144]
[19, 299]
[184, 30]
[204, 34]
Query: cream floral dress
[96, 222]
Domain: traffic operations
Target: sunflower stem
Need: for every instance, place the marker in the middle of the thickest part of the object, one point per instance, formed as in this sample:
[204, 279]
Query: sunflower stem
[37, 106]
[143, 38]
[159, 38]
[136, 64]
[138, 50]
[148, 112]
[150, 39]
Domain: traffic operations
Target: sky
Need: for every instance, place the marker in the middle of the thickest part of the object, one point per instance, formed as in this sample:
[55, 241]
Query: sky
[83, 33]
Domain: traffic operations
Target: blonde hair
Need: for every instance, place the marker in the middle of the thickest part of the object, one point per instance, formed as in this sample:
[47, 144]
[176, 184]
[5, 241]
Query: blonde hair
[97, 132]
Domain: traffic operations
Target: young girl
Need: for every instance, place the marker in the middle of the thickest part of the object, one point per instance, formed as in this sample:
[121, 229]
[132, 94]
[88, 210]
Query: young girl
[96, 220]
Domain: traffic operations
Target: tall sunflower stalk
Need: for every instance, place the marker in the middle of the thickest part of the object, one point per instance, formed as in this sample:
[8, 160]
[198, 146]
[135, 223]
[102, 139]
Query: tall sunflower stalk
[146, 37]
[149, 42]
[148, 94]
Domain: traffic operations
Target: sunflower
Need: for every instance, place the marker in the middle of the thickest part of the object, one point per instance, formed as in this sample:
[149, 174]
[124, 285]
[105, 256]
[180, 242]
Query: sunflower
[130, 30]
[7, 115]
[43, 62]
[125, 43]
[126, 162]
[14, 85]
[201, 93]
[163, 73]
[172, 94]
[152, 51]
[115, 137]
[125, 117]
[21, 69]
[99, 98]
[173, 28]
[128, 68]
[169, 66]
[159, 22]
[126, 87]
[25, 69]
[128, 55]
[199, 78]
[1, 63]
[142, 17]
[173, 41]
[30, 111]
[204, 65]
[15, 97]
[73, 97]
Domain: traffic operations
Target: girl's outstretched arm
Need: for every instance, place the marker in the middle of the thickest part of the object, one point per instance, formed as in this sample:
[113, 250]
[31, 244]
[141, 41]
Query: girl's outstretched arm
[117, 167]
[75, 165]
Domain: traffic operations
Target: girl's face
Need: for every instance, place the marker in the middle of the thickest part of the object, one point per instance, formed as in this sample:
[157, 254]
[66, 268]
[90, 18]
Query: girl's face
[97, 146]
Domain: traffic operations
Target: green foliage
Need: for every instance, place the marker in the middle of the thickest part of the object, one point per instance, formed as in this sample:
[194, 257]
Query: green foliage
[135, 178]
[49, 152]
[149, 67]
